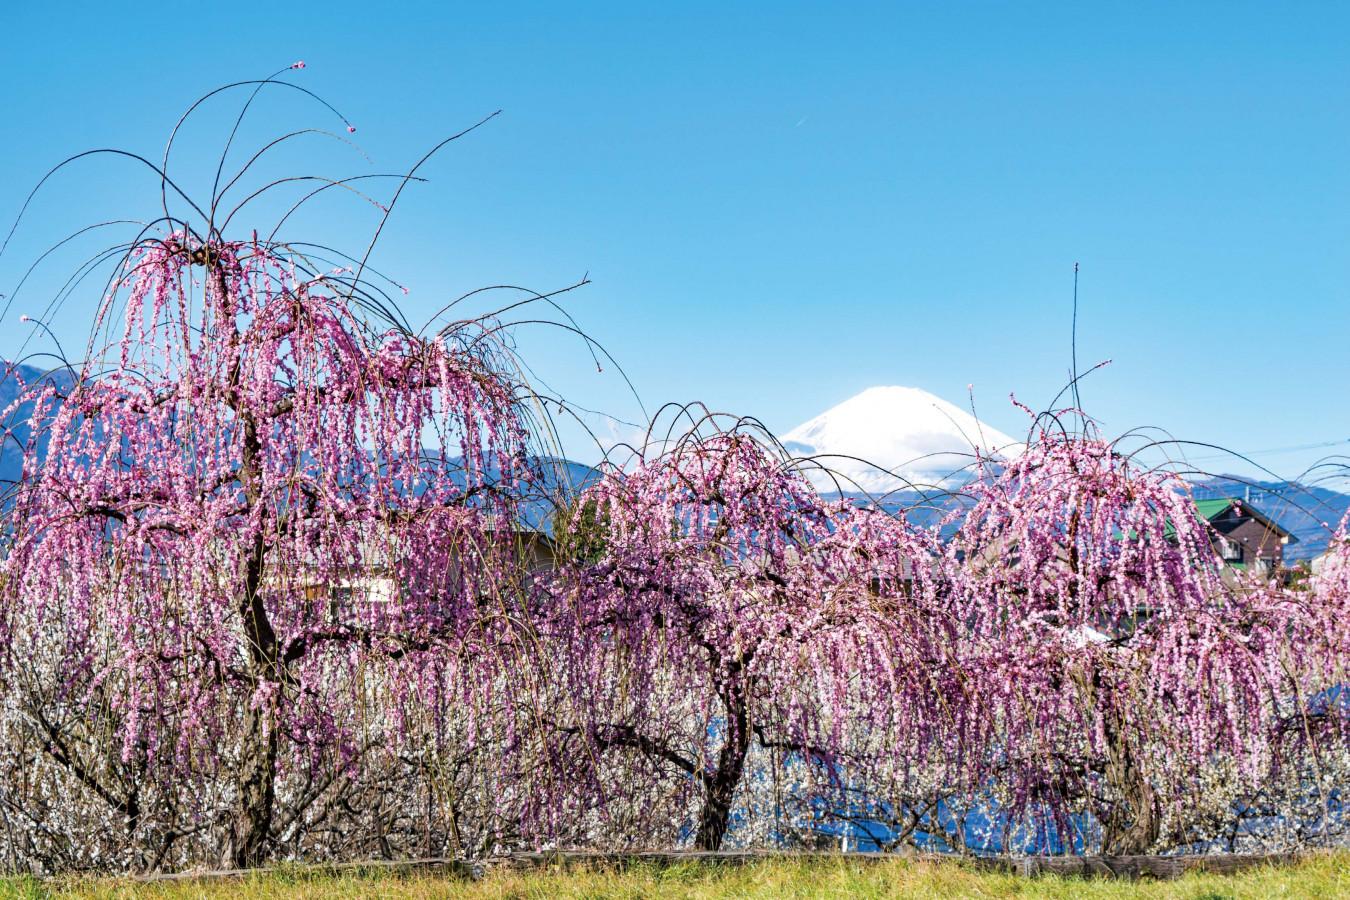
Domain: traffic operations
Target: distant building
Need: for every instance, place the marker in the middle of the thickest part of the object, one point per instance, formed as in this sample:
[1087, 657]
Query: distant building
[376, 581]
[1244, 537]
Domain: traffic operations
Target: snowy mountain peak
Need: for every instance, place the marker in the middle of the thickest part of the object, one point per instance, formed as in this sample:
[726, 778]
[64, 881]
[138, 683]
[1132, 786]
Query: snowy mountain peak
[921, 438]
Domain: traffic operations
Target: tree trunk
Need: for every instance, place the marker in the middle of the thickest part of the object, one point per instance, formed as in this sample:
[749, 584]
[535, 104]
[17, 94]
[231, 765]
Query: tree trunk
[1133, 827]
[257, 789]
[1134, 823]
[720, 789]
[260, 739]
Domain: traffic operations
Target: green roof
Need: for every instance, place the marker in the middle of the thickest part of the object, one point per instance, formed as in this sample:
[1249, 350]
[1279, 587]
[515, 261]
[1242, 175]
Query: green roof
[1210, 508]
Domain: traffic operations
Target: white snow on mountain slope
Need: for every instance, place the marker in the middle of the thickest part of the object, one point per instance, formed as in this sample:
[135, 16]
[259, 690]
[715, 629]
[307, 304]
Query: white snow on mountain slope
[921, 438]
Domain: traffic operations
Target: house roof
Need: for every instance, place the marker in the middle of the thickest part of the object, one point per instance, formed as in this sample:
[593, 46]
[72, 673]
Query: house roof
[1209, 509]
[1213, 508]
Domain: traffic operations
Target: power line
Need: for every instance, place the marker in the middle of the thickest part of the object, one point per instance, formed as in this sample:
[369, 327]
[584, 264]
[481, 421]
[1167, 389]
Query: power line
[1293, 449]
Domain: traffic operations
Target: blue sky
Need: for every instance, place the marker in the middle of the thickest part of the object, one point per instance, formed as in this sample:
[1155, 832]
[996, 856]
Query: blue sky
[782, 205]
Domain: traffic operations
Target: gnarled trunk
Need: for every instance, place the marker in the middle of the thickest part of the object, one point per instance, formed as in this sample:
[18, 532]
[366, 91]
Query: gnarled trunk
[719, 789]
[252, 823]
[1134, 825]
[257, 789]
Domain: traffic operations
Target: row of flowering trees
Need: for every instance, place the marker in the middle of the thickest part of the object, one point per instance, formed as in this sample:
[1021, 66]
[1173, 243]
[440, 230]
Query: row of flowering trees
[197, 666]
[1070, 657]
[263, 594]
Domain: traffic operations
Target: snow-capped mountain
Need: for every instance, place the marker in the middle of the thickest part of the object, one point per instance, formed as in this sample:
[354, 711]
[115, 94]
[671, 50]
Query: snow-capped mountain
[894, 438]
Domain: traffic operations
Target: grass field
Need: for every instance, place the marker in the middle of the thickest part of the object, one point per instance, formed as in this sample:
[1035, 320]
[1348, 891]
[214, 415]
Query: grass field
[1326, 875]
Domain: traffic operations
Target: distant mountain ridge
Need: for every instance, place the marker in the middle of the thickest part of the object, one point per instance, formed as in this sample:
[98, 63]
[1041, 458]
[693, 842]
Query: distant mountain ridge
[926, 441]
[556, 479]
[910, 431]
[21, 378]
[1311, 514]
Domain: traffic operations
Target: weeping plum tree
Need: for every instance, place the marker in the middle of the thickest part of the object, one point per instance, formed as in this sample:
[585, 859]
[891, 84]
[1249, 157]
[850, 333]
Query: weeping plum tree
[252, 447]
[721, 605]
[253, 531]
[1118, 666]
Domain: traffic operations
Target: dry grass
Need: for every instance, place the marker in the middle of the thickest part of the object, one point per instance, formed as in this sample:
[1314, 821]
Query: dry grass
[1323, 875]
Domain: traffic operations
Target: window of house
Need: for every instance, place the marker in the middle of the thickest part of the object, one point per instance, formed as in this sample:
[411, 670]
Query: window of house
[1230, 551]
